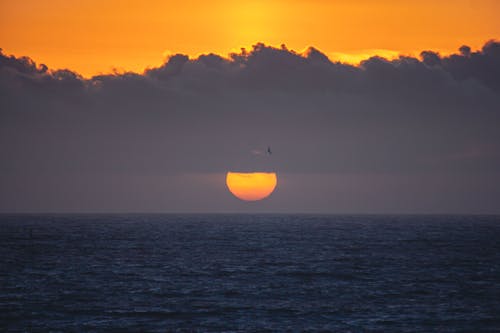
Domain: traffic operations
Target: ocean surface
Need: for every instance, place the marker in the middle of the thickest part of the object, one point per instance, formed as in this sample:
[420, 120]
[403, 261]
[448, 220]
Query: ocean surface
[249, 273]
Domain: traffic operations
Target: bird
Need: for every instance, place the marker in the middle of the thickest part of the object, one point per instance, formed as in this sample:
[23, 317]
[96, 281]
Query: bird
[269, 150]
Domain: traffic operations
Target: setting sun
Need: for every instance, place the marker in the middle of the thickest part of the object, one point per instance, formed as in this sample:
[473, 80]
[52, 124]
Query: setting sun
[251, 186]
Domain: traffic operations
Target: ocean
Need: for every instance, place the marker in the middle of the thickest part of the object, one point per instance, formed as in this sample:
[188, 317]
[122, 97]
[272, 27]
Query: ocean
[249, 273]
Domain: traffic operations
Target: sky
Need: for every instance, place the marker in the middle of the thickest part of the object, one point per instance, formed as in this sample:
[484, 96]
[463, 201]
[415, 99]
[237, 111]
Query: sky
[94, 36]
[408, 125]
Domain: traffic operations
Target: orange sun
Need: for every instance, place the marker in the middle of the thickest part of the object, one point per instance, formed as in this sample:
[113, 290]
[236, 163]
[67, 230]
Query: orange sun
[251, 186]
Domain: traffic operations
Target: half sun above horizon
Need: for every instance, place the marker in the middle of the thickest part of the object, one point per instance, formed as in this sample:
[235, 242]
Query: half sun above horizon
[251, 186]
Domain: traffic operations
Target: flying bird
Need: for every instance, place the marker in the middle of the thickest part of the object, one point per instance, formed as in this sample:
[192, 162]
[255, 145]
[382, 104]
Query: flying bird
[269, 150]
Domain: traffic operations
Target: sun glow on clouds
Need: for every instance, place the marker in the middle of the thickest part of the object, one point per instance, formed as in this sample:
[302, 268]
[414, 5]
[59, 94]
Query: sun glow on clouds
[251, 21]
[93, 37]
[356, 58]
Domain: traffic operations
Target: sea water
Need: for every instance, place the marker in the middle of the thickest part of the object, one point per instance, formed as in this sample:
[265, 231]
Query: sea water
[239, 273]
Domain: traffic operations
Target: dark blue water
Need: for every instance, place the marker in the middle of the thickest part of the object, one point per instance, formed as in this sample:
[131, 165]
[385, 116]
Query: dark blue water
[243, 273]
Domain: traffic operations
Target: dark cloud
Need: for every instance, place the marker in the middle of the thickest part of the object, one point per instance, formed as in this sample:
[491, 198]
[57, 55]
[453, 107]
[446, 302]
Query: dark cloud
[482, 66]
[100, 143]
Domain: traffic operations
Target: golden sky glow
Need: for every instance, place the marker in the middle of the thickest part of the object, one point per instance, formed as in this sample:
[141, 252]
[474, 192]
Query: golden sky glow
[95, 36]
[251, 186]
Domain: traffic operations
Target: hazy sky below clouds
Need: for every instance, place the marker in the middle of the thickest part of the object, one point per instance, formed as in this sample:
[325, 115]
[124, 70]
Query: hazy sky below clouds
[402, 136]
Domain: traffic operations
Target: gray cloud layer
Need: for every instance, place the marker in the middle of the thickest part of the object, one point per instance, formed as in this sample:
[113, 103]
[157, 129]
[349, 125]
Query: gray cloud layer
[161, 141]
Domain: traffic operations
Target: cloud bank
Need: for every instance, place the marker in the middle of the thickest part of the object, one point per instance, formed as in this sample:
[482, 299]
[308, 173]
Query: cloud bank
[405, 135]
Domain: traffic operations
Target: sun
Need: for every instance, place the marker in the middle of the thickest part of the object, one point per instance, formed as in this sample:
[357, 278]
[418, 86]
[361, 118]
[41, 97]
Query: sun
[251, 186]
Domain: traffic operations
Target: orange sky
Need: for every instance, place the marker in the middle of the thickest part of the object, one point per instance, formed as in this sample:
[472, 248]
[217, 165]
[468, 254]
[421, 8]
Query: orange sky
[95, 36]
